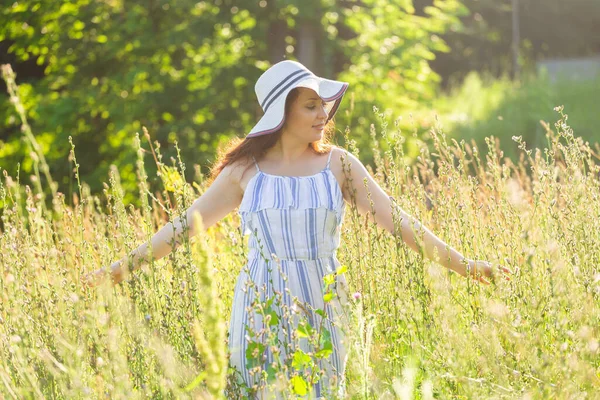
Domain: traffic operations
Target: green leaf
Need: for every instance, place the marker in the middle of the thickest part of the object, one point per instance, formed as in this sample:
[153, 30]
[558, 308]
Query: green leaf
[299, 385]
[301, 360]
[326, 345]
[254, 354]
[304, 330]
[271, 373]
[274, 318]
[197, 381]
[342, 269]
[269, 302]
[323, 353]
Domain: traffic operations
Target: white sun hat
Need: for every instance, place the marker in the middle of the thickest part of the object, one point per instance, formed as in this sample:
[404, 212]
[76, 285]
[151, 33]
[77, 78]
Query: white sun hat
[275, 84]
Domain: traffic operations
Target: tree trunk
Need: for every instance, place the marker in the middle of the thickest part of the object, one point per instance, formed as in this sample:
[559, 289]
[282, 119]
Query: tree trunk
[276, 41]
[308, 48]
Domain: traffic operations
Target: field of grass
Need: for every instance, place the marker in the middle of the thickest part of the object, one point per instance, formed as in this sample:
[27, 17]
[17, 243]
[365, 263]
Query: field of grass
[417, 331]
[482, 106]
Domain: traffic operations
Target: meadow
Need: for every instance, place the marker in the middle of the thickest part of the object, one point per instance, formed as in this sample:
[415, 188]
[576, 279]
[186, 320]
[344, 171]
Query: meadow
[416, 331]
[482, 106]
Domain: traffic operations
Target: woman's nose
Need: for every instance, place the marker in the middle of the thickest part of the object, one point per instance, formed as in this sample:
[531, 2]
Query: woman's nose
[323, 111]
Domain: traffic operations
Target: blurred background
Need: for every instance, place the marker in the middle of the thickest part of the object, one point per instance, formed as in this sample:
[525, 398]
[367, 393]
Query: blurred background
[99, 71]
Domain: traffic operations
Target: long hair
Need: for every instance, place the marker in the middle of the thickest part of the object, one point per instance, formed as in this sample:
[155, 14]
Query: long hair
[244, 149]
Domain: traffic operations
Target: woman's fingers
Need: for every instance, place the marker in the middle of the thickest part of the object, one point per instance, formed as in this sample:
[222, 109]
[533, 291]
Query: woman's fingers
[505, 271]
[481, 270]
[93, 279]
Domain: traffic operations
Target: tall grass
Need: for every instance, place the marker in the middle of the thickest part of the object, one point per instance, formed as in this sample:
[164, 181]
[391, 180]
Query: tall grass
[417, 331]
[482, 106]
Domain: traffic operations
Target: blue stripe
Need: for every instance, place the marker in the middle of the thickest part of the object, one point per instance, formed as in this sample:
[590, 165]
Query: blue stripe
[326, 243]
[334, 227]
[288, 235]
[297, 219]
[306, 290]
[329, 195]
[295, 191]
[284, 235]
[256, 192]
[263, 299]
[307, 231]
[314, 247]
[279, 194]
[286, 301]
[329, 312]
[279, 84]
[299, 77]
[248, 297]
[291, 237]
[276, 199]
[264, 224]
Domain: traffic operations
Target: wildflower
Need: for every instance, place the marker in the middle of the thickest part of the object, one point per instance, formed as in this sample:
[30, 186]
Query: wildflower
[357, 296]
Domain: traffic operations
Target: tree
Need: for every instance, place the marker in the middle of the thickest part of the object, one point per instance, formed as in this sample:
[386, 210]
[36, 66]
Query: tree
[187, 71]
[549, 28]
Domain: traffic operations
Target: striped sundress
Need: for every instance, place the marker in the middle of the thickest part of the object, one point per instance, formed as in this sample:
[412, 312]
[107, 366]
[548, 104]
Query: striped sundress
[294, 225]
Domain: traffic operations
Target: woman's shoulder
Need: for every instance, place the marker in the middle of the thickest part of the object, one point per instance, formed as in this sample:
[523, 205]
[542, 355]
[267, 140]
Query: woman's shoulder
[343, 160]
[241, 171]
[236, 169]
[338, 153]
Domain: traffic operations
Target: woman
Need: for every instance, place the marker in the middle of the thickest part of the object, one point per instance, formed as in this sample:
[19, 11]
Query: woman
[291, 188]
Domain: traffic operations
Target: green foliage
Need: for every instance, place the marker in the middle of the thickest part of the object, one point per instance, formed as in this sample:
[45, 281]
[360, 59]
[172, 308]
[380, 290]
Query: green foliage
[484, 106]
[389, 59]
[548, 29]
[188, 71]
[415, 331]
[298, 364]
[113, 67]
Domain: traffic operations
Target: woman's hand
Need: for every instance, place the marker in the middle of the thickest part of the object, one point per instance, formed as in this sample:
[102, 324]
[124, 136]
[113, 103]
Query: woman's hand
[481, 270]
[95, 278]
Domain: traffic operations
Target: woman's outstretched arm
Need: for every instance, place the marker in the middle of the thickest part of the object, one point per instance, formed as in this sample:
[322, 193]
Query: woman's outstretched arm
[223, 196]
[385, 208]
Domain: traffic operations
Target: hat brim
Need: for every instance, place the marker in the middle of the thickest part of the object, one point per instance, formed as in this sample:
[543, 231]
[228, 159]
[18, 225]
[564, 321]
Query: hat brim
[329, 90]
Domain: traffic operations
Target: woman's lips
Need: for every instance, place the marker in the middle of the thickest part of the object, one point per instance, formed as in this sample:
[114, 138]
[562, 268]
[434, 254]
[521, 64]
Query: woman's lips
[319, 127]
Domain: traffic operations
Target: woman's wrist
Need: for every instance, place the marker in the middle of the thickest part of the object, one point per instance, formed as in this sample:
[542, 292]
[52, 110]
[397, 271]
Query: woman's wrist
[461, 265]
[116, 271]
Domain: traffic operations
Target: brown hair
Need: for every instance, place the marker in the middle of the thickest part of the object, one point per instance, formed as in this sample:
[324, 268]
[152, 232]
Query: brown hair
[239, 148]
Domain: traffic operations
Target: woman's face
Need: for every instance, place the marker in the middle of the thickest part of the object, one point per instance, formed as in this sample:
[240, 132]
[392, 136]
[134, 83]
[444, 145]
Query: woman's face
[306, 117]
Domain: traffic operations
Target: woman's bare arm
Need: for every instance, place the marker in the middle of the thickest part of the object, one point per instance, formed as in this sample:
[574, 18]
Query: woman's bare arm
[223, 196]
[384, 208]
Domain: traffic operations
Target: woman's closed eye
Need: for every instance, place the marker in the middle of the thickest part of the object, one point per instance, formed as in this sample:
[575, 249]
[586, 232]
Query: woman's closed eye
[314, 106]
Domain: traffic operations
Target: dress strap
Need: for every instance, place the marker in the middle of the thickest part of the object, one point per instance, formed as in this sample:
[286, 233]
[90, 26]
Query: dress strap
[255, 164]
[329, 158]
